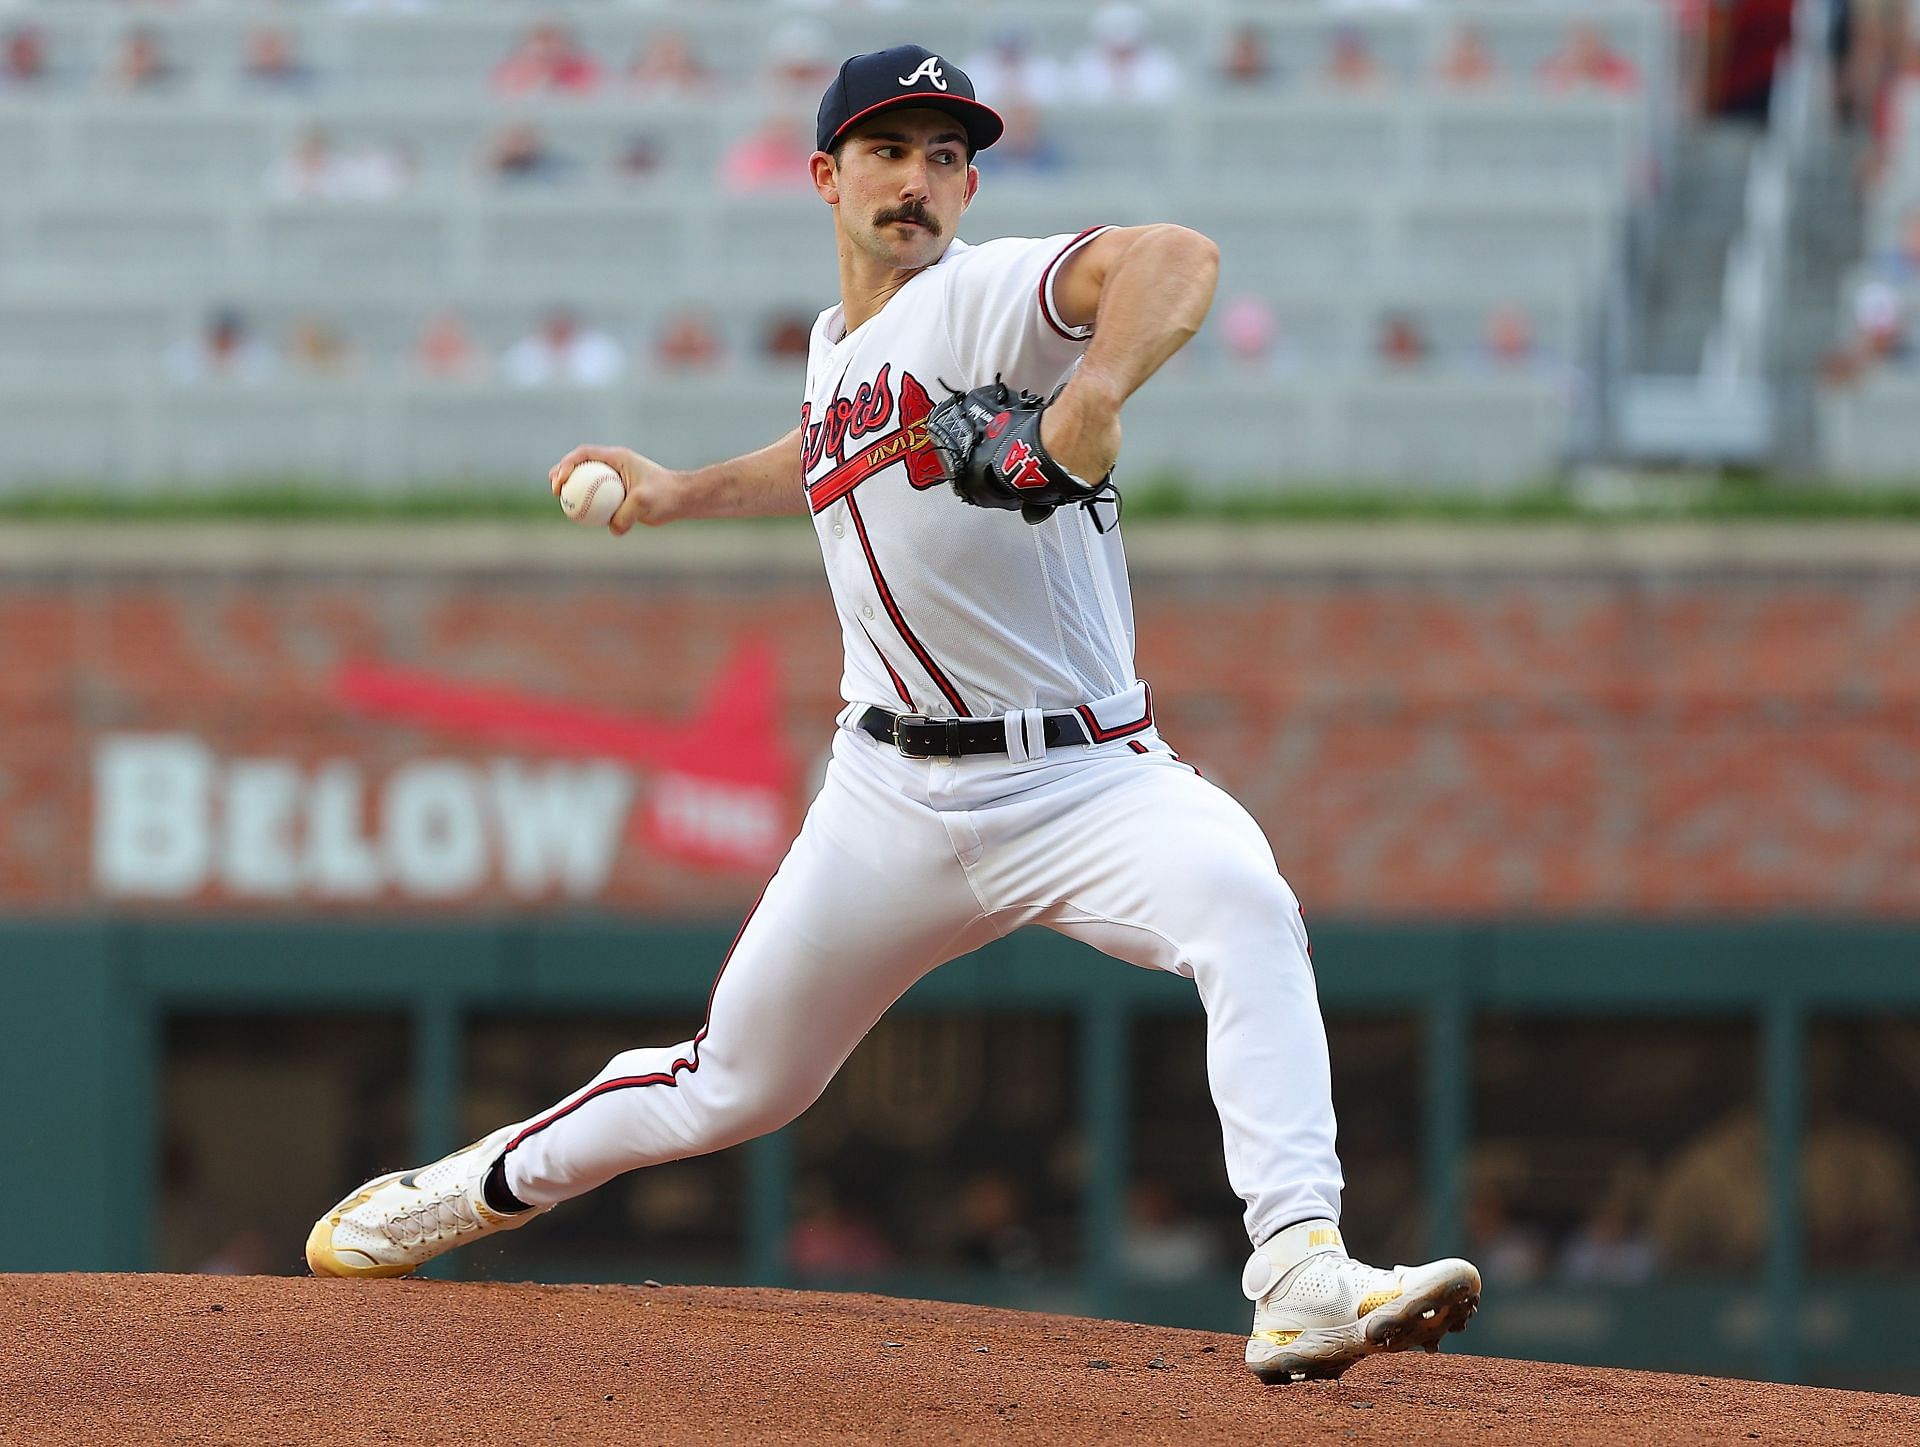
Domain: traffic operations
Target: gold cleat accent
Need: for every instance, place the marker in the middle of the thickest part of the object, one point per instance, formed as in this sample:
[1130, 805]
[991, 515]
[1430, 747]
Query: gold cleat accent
[1277, 1338]
[1378, 1299]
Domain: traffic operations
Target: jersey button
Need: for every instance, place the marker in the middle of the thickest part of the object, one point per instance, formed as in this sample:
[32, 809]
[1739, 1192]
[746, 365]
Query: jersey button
[868, 610]
[839, 530]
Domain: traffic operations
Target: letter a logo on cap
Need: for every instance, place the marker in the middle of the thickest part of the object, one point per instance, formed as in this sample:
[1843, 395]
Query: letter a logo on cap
[930, 68]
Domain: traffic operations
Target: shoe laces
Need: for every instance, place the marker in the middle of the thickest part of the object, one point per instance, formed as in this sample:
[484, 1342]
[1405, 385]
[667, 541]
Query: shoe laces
[437, 1216]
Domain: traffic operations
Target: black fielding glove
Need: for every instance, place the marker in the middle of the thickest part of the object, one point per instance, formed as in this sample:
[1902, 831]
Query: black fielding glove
[988, 442]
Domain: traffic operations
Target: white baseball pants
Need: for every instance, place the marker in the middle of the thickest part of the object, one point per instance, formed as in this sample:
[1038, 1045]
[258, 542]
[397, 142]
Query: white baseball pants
[905, 863]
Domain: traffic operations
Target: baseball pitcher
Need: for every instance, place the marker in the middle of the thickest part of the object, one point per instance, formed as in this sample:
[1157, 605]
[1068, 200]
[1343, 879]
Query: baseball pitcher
[996, 764]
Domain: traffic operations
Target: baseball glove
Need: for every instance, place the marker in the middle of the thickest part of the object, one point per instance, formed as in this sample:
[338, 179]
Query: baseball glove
[988, 442]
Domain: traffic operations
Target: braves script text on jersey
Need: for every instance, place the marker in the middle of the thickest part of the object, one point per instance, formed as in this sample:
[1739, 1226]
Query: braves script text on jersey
[954, 611]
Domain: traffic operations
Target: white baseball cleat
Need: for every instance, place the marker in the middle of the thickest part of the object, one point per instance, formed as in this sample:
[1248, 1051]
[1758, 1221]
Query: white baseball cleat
[1317, 1311]
[393, 1224]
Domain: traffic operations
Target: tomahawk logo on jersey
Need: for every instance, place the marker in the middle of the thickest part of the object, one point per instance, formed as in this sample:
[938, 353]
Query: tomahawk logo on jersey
[849, 419]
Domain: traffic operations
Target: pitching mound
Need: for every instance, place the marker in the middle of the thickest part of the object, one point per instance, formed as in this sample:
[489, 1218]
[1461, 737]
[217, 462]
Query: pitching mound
[117, 1359]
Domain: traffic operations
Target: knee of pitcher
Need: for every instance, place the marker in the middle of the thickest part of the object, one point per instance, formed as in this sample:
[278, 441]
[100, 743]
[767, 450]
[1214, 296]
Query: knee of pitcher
[745, 1116]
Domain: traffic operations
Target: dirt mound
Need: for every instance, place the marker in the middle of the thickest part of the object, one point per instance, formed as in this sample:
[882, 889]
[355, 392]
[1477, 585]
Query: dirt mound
[264, 1359]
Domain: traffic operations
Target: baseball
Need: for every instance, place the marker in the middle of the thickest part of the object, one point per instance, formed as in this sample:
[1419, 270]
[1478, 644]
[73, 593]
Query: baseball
[592, 493]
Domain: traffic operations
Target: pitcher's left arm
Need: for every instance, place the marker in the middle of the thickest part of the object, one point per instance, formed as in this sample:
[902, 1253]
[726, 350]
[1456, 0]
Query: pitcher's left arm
[1145, 290]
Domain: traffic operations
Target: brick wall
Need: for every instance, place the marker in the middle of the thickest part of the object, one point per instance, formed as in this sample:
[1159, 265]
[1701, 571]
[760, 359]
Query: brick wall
[1502, 739]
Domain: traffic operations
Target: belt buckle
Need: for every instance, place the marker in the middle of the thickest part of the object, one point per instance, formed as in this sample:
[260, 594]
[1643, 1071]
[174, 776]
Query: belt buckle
[900, 722]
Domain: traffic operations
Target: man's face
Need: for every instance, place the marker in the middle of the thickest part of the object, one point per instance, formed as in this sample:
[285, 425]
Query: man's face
[899, 187]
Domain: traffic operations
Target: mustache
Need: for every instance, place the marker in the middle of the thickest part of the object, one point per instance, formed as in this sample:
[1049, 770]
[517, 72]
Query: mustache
[916, 214]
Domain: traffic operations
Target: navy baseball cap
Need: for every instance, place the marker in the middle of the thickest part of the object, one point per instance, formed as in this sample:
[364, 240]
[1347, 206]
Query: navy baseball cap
[907, 75]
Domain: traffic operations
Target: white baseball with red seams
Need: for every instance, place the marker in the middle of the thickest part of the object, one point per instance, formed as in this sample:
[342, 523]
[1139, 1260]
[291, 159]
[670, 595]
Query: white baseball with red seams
[948, 610]
[592, 494]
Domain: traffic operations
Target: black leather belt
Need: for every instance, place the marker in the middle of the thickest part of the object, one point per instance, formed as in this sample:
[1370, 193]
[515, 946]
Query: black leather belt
[920, 737]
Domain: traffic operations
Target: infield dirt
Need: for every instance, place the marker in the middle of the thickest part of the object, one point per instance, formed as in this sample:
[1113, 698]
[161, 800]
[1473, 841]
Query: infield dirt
[125, 1359]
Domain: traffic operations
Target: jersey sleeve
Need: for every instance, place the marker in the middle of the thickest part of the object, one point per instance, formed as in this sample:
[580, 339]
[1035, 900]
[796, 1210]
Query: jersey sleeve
[1001, 317]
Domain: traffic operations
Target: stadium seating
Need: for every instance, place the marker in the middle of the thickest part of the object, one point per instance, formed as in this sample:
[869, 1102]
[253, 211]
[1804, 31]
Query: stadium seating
[129, 218]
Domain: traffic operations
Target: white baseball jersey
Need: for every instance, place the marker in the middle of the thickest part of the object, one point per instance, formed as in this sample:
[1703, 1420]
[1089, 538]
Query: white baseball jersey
[946, 609]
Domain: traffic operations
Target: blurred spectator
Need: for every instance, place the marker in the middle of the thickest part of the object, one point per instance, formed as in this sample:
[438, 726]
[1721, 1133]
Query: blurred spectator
[1588, 61]
[379, 170]
[637, 158]
[1162, 1242]
[1880, 319]
[1879, 335]
[687, 343]
[445, 349]
[317, 348]
[314, 170]
[548, 59]
[140, 64]
[272, 63]
[563, 352]
[225, 351]
[311, 171]
[1010, 72]
[787, 338]
[24, 60]
[1469, 63]
[1506, 1251]
[1506, 338]
[772, 157]
[1248, 327]
[835, 1236]
[1024, 146]
[1120, 65]
[1251, 334]
[1401, 343]
[1747, 43]
[1612, 1247]
[519, 153]
[1896, 107]
[1858, 1194]
[668, 65]
[1350, 62]
[990, 1229]
[1901, 261]
[1246, 61]
[1871, 64]
[801, 59]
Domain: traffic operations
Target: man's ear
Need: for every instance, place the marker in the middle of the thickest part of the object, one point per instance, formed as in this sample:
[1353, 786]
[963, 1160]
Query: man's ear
[826, 177]
[973, 185]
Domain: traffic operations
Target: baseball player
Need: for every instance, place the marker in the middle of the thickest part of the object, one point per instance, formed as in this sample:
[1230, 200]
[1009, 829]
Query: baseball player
[997, 763]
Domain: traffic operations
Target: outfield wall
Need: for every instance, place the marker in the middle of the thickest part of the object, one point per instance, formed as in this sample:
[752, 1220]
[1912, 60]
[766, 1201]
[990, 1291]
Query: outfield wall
[1427, 724]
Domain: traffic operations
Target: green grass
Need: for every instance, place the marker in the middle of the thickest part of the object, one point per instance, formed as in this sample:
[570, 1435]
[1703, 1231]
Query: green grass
[1679, 497]
[304, 501]
[1640, 499]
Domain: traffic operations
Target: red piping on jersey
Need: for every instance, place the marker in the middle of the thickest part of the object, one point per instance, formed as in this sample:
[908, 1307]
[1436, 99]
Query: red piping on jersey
[899, 622]
[1046, 281]
[1137, 746]
[690, 1062]
[898, 687]
[1105, 735]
